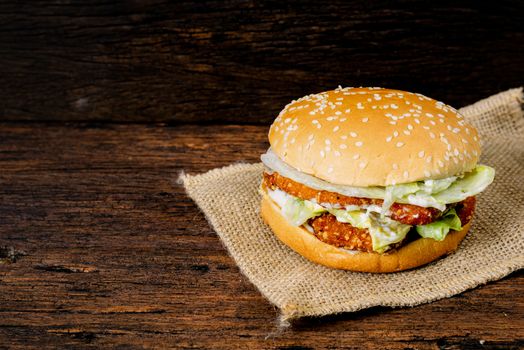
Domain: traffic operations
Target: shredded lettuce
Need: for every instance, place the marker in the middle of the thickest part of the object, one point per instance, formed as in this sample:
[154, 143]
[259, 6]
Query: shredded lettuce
[471, 184]
[298, 211]
[383, 230]
[393, 193]
[439, 229]
[356, 218]
[428, 193]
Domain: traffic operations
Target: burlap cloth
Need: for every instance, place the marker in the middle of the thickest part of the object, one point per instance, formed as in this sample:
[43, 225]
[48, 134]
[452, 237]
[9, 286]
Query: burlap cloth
[492, 249]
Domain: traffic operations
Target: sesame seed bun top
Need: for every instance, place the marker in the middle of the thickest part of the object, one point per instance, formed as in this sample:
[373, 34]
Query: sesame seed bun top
[374, 137]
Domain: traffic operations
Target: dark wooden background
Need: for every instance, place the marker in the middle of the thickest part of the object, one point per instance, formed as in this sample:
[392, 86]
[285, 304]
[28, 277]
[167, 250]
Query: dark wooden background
[104, 103]
[242, 61]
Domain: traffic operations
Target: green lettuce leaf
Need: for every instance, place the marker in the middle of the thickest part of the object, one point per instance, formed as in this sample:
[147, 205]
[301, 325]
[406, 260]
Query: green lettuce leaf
[298, 211]
[356, 218]
[471, 184]
[439, 229]
[383, 230]
[428, 193]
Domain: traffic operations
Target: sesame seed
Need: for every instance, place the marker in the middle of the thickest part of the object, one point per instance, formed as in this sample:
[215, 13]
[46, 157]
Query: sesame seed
[410, 127]
[335, 129]
[440, 164]
[395, 166]
[310, 137]
[362, 165]
[400, 144]
[314, 121]
[395, 133]
[407, 132]
[322, 154]
[417, 121]
[432, 135]
[353, 134]
[388, 139]
[343, 119]
[359, 105]
[327, 142]
[356, 156]
[337, 153]
[394, 106]
[338, 112]
[393, 122]
[406, 174]
[427, 173]
[330, 169]
[365, 120]
[343, 146]
[421, 154]
[359, 143]
[344, 137]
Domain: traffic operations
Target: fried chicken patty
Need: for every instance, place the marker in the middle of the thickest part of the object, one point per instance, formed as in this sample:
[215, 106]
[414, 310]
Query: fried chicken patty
[408, 214]
[329, 230]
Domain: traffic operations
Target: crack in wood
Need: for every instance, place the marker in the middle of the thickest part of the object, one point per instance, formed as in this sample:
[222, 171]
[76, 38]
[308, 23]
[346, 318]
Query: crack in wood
[66, 268]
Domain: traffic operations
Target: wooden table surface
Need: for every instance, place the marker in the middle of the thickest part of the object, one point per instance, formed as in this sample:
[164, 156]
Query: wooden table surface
[100, 247]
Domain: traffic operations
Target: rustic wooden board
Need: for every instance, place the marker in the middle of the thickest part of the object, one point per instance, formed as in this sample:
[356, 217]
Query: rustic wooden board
[103, 249]
[242, 61]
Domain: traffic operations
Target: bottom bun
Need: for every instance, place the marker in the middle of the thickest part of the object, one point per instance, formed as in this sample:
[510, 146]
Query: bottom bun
[411, 255]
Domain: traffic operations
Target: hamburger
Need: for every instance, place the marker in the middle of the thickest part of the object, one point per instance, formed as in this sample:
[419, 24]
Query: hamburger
[371, 179]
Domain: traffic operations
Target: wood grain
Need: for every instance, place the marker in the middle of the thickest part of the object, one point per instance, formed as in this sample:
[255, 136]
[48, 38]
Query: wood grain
[117, 255]
[242, 61]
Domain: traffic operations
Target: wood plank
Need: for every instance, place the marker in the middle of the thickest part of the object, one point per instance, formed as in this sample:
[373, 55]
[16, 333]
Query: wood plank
[117, 255]
[242, 61]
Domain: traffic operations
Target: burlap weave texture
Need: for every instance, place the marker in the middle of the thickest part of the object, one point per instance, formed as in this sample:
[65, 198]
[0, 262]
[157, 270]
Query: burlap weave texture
[492, 249]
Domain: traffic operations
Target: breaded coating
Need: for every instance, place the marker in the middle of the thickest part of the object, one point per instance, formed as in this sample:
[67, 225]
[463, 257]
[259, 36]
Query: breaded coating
[340, 234]
[407, 214]
[343, 235]
[329, 230]
[465, 210]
